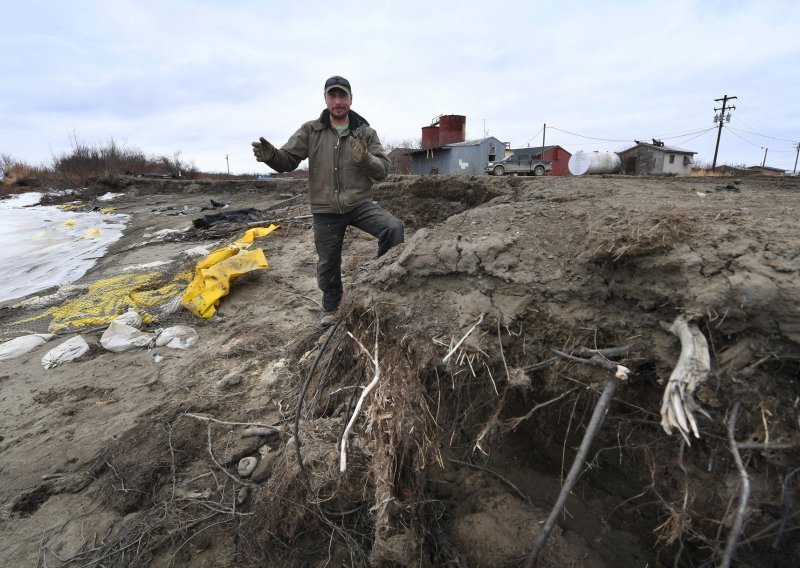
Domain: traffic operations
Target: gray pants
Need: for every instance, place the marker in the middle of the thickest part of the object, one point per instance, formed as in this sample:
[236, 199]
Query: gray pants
[329, 229]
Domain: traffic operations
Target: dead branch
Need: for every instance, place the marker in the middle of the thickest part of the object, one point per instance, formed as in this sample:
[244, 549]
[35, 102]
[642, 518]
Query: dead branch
[767, 447]
[514, 488]
[235, 479]
[694, 362]
[600, 409]
[460, 341]
[515, 422]
[222, 422]
[787, 509]
[503, 355]
[741, 512]
[373, 358]
[598, 360]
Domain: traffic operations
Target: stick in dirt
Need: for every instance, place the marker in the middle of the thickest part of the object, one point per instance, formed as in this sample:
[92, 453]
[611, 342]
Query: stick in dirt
[460, 341]
[736, 529]
[374, 360]
[600, 409]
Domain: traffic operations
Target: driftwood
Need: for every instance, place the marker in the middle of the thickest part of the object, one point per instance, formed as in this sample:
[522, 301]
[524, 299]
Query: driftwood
[678, 404]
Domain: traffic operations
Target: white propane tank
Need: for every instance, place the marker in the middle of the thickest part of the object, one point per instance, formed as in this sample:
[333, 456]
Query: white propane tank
[581, 163]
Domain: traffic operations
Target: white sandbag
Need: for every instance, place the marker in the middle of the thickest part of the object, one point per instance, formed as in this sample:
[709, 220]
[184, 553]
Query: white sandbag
[130, 318]
[21, 345]
[119, 337]
[177, 337]
[68, 351]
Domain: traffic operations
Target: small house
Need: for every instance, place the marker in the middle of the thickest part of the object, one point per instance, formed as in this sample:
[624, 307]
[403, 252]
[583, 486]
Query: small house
[656, 159]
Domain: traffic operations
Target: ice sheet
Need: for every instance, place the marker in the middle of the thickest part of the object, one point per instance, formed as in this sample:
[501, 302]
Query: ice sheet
[42, 246]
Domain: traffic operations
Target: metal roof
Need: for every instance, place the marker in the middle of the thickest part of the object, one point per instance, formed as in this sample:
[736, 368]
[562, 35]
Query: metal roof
[664, 148]
[476, 142]
[535, 149]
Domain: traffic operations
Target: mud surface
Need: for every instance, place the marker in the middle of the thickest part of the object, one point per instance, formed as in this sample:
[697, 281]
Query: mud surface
[126, 460]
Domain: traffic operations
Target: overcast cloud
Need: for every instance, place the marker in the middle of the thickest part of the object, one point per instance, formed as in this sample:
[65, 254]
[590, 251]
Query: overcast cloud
[207, 78]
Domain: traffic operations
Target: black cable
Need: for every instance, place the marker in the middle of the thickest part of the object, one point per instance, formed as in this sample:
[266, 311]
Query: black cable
[300, 406]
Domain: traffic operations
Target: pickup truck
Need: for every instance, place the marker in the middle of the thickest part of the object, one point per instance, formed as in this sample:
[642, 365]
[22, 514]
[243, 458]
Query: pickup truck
[519, 164]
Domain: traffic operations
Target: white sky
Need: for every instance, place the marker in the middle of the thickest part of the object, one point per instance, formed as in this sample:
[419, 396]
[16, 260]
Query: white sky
[208, 77]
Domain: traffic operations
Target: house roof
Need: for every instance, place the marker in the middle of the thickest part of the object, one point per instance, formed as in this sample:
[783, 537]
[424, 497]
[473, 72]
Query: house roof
[664, 148]
[476, 142]
[536, 149]
[765, 168]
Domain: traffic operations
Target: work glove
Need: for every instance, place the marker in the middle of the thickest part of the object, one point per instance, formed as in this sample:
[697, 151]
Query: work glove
[358, 147]
[263, 150]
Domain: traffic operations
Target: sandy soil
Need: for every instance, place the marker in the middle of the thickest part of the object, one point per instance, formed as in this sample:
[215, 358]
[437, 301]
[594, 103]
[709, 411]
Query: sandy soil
[122, 460]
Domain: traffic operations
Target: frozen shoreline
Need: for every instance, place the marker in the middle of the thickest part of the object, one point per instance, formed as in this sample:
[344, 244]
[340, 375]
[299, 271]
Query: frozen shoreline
[44, 246]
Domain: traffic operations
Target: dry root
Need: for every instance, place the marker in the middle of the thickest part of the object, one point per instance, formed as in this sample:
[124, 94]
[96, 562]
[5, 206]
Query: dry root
[678, 404]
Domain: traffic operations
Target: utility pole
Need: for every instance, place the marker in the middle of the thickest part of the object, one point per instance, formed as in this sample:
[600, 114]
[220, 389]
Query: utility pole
[544, 131]
[764, 161]
[229, 164]
[794, 171]
[724, 99]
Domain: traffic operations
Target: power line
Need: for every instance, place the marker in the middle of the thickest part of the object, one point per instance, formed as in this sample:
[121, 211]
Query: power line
[698, 136]
[681, 134]
[743, 138]
[762, 135]
[534, 136]
[589, 137]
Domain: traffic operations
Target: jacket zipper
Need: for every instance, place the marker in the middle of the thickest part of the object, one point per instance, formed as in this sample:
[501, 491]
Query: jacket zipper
[336, 172]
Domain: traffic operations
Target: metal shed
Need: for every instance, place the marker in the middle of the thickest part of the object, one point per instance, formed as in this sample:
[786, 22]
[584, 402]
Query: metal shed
[468, 157]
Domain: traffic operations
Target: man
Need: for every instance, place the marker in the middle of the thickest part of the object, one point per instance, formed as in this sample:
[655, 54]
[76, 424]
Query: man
[344, 157]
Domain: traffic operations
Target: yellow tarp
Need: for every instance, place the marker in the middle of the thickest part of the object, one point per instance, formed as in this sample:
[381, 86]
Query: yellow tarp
[217, 271]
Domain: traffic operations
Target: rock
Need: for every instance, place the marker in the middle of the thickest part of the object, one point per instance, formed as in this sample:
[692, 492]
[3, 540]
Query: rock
[264, 468]
[230, 449]
[247, 466]
[242, 495]
[230, 380]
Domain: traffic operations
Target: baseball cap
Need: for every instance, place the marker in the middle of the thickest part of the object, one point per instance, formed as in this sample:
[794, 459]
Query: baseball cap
[337, 82]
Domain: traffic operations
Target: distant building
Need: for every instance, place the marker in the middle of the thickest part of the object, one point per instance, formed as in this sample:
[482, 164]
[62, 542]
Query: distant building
[399, 161]
[558, 157]
[733, 170]
[468, 157]
[656, 159]
[767, 171]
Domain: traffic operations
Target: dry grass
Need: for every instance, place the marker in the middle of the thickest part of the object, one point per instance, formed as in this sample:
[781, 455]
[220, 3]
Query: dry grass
[632, 237]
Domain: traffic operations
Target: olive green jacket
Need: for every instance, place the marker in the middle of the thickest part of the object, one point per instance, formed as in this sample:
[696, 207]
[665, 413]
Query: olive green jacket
[335, 183]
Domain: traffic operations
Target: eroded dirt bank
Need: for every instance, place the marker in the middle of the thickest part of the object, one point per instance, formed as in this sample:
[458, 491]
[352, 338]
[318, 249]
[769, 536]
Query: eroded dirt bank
[119, 460]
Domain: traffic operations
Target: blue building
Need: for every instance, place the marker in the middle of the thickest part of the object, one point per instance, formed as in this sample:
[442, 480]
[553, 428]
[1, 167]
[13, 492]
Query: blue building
[468, 157]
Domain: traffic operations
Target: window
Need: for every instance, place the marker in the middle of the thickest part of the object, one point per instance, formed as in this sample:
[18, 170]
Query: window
[672, 158]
